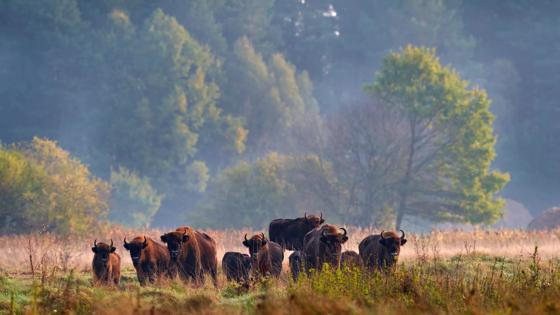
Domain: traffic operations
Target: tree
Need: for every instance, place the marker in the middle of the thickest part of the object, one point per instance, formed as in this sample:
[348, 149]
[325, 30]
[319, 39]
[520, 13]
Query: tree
[274, 186]
[363, 146]
[133, 200]
[449, 143]
[44, 188]
[270, 96]
[21, 184]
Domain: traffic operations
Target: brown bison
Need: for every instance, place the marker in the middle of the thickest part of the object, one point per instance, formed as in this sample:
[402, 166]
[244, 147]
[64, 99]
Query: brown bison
[296, 264]
[266, 256]
[381, 251]
[323, 245]
[351, 259]
[106, 264]
[150, 259]
[236, 266]
[289, 233]
[193, 253]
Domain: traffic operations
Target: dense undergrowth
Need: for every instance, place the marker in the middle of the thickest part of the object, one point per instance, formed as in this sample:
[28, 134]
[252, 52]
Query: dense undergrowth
[464, 284]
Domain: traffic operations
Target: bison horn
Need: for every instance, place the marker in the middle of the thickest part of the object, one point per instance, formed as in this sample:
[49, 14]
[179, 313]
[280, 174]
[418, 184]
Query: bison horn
[321, 215]
[402, 236]
[262, 234]
[125, 241]
[111, 243]
[246, 237]
[305, 216]
[345, 232]
[382, 235]
[95, 243]
[145, 240]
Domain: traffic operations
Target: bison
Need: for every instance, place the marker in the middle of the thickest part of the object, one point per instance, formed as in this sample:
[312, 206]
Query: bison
[106, 264]
[323, 245]
[150, 259]
[289, 233]
[351, 259]
[381, 251]
[296, 264]
[193, 253]
[236, 266]
[266, 256]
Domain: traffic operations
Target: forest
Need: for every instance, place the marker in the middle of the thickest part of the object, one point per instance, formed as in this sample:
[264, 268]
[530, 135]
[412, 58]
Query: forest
[230, 113]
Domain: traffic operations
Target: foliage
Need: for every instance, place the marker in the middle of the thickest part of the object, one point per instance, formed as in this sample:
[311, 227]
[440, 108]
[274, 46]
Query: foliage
[180, 90]
[21, 184]
[271, 96]
[74, 200]
[133, 200]
[252, 194]
[448, 146]
[44, 188]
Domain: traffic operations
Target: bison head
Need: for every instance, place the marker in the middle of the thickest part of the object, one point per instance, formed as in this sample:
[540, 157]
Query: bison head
[102, 252]
[255, 243]
[313, 221]
[333, 240]
[174, 241]
[392, 243]
[135, 248]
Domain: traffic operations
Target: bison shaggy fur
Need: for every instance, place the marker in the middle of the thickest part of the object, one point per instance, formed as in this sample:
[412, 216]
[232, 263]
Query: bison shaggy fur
[150, 259]
[381, 251]
[106, 264]
[289, 233]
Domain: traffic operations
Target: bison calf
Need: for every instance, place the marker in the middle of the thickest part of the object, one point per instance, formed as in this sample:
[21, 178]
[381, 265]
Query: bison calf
[323, 246]
[266, 256]
[381, 251]
[150, 259]
[350, 259]
[236, 266]
[106, 264]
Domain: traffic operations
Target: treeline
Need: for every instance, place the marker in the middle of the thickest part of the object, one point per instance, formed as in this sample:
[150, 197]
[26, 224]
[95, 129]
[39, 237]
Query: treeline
[248, 110]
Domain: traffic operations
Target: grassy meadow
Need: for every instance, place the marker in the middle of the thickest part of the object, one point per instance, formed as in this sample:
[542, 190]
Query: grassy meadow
[444, 272]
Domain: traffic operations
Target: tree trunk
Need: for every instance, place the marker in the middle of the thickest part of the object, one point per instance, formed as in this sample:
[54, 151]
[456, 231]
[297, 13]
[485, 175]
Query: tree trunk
[407, 176]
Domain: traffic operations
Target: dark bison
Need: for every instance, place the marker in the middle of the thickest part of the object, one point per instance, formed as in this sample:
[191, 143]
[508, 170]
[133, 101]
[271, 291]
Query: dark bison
[296, 264]
[381, 251]
[236, 266]
[351, 259]
[289, 233]
[266, 256]
[323, 245]
[193, 253]
[150, 259]
[106, 264]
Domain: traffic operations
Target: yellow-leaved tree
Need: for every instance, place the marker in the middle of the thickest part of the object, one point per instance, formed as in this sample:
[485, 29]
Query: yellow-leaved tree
[71, 199]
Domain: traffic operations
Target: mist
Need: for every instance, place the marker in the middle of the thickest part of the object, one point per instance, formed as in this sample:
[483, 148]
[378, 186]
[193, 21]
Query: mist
[210, 100]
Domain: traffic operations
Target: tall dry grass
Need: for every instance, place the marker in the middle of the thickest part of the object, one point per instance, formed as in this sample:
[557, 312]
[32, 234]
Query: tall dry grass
[36, 252]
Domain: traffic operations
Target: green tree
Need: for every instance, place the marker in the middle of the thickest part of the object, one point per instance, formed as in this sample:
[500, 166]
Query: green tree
[161, 102]
[133, 202]
[21, 184]
[449, 143]
[73, 199]
[274, 186]
[271, 96]
[44, 188]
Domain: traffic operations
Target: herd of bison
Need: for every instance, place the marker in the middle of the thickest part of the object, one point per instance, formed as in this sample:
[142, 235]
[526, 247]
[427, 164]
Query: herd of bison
[192, 254]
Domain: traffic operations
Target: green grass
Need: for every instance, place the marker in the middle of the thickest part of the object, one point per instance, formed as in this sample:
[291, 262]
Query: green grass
[467, 284]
